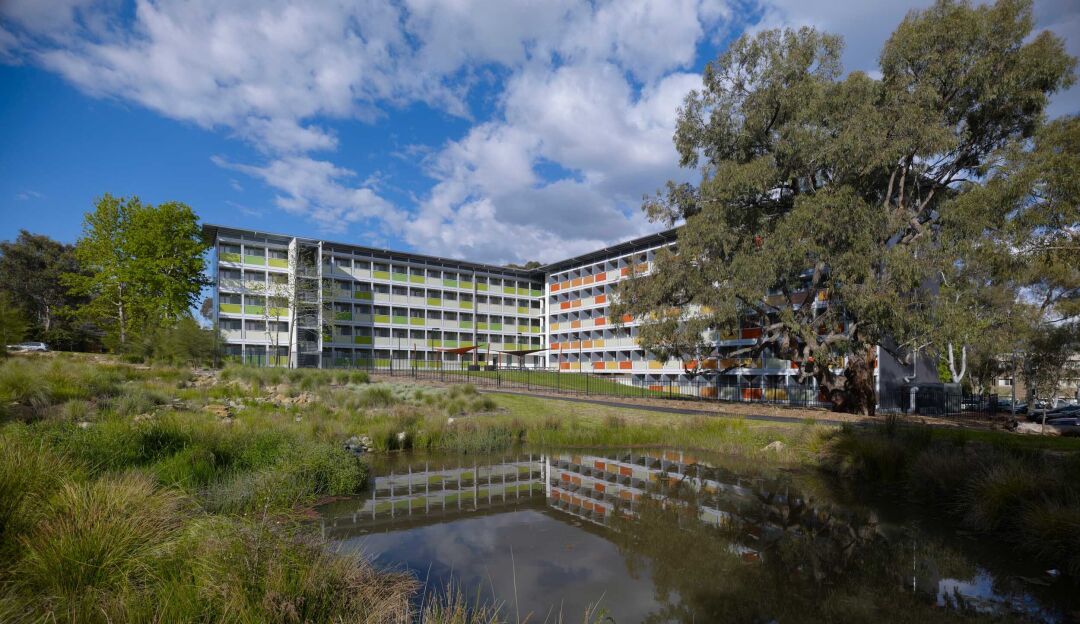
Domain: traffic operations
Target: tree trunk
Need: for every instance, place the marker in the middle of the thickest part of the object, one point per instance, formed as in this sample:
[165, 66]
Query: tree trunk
[958, 376]
[854, 393]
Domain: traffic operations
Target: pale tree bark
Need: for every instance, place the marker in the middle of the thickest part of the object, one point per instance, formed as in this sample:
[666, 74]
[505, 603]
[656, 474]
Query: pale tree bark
[958, 376]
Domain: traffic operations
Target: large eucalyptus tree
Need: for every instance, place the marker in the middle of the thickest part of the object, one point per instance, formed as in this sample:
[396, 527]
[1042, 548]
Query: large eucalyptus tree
[822, 187]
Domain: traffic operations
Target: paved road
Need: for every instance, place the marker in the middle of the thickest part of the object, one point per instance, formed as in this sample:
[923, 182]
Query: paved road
[669, 410]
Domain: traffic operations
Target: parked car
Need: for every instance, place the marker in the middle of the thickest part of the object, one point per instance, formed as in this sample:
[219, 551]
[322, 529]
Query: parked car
[1064, 410]
[1066, 421]
[29, 346]
[1058, 412]
[1006, 407]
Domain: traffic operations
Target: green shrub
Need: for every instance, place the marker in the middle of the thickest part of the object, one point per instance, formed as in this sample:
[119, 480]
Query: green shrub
[232, 570]
[939, 472]
[1051, 531]
[30, 472]
[377, 396]
[97, 539]
[191, 468]
[995, 498]
[250, 491]
[77, 410]
[871, 457]
[133, 401]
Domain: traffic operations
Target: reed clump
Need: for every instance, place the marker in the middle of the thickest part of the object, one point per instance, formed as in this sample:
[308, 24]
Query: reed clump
[997, 487]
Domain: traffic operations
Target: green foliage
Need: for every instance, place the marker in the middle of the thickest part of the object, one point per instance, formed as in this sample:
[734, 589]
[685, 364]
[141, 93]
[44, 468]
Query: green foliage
[119, 548]
[991, 482]
[1052, 531]
[818, 187]
[1050, 358]
[13, 324]
[32, 269]
[141, 263]
[96, 538]
[29, 473]
[29, 387]
[179, 342]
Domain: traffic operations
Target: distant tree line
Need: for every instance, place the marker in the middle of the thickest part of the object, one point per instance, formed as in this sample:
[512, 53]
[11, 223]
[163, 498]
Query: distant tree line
[128, 285]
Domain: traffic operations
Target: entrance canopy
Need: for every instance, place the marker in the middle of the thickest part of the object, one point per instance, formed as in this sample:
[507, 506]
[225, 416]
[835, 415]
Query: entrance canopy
[457, 350]
[519, 352]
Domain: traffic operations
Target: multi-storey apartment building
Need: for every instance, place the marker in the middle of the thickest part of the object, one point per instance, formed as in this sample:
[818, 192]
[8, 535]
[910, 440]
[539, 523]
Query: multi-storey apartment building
[284, 300]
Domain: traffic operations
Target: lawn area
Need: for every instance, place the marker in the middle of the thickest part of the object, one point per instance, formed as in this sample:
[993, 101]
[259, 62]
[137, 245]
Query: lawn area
[572, 382]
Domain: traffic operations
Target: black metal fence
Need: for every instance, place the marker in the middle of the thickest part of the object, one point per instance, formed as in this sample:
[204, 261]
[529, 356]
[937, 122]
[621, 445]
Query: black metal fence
[937, 399]
[762, 389]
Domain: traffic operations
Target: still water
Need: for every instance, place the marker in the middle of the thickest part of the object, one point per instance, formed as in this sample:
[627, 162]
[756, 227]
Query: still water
[668, 536]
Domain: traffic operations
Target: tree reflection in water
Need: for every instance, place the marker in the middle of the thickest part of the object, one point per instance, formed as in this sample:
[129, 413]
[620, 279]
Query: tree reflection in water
[721, 547]
[716, 542]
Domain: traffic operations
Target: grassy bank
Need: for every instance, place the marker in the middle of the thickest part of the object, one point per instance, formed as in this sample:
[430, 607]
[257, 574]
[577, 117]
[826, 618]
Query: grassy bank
[180, 495]
[1023, 490]
[119, 501]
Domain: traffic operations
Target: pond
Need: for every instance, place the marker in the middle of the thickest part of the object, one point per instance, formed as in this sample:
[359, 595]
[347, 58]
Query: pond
[668, 536]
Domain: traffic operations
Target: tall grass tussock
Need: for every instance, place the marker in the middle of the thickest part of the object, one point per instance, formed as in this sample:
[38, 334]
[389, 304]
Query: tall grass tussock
[999, 487]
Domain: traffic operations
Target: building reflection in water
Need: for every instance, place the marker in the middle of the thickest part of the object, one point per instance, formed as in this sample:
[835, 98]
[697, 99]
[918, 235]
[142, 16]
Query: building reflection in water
[595, 488]
[665, 508]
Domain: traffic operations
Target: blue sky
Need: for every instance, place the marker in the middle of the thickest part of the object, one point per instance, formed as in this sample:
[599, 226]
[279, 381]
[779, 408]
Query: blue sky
[484, 129]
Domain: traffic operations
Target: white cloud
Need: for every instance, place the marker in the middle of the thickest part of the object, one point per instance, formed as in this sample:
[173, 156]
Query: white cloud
[320, 191]
[60, 17]
[615, 146]
[585, 97]
[589, 93]
[262, 69]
